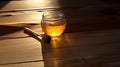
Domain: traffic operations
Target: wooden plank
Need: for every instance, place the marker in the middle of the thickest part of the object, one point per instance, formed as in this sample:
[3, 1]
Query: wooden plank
[32, 64]
[85, 49]
[17, 18]
[20, 50]
[83, 62]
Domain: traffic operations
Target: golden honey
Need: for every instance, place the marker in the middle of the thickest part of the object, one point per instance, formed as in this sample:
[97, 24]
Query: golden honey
[53, 29]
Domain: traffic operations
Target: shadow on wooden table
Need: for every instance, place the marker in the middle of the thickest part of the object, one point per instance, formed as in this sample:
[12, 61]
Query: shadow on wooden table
[87, 16]
[79, 19]
[84, 20]
[3, 3]
[4, 30]
[63, 53]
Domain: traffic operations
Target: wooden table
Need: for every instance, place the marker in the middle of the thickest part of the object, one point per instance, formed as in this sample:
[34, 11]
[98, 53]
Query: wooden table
[91, 38]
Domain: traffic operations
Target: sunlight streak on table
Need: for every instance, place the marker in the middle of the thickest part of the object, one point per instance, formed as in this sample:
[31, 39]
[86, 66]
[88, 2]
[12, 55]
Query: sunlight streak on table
[30, 4]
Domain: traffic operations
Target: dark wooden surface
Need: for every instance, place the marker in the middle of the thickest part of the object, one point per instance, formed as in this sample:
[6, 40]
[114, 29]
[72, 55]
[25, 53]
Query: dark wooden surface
[91, 38]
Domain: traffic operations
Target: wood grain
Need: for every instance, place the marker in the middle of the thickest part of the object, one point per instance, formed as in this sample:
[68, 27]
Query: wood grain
[91, 38]
[9, 5]
[33, 64]
[87, 49]
[19, 50]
